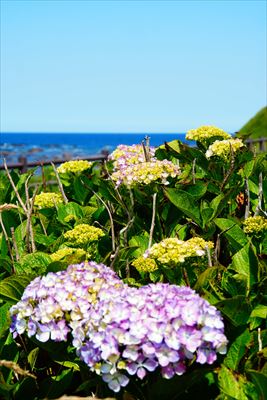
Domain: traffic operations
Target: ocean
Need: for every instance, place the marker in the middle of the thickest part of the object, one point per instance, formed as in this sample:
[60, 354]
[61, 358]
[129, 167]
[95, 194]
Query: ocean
[52, 146]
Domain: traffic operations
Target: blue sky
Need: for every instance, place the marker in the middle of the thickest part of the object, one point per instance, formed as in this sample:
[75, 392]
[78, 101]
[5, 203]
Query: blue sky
[131, 66]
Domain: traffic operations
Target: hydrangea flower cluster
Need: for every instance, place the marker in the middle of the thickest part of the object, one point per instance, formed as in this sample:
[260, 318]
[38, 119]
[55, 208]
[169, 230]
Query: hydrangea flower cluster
[170, 252]
[133, 331]
[255, 225]
[124, 155]
[83, 234]
[48, 200]
[117, 330]
[75, 166]
[145, 264]
[146, 172]
[51, 303]
[204, 133]
[69, 255]
[224, 148]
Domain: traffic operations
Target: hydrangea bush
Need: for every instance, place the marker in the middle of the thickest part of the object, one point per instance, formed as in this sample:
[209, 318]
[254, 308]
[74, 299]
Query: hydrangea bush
[181, 217]
[120, 331]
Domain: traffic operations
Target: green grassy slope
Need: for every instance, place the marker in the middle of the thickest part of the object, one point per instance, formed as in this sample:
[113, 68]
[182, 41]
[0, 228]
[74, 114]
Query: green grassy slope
[256, 127]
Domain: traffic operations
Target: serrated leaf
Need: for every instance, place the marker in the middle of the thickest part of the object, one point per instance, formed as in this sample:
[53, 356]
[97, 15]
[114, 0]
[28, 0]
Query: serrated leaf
[232, 232]
[237, 350]
[65, 210]
[184, 202]
[11, 288]
[35, 263]
[260, 382]
[245, 263]
[236, 309]
[232, 384]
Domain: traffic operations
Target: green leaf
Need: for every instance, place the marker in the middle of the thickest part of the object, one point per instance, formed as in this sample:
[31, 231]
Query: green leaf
[11, 288]
[69, 209]
[6, 264]
[20, 233]
[141, 243]
[184, 202]
[237, 350]
[4, 319]
[232, 232]
[232, 384]
[197, 190]
[206, 214]
[236, 309]
[35, 263]
[260, 382]
[259, 311]
[245, 263]
[32, 357]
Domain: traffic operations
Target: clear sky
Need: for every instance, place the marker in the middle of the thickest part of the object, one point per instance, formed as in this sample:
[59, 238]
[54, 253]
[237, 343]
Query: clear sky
[131, 66]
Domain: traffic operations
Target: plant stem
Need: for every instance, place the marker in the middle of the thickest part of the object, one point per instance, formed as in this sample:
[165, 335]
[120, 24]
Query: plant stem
[247, 197]
[260, 195]
[60, 184]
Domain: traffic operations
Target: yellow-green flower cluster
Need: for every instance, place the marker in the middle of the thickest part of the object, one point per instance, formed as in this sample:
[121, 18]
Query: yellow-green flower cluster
[48, 200]
[83, 234]
[146, 172]
[171, 251]
[70, 255]
[143, 264]
[255, 225]
[204, 133]
[75, 166]
[224, 148]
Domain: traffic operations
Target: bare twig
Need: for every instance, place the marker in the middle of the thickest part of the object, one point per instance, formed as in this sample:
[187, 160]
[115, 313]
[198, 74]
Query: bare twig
[259, 339]
[230, 170]
[247, 197]
[14, 243]
[209, 256]
[152, 220]
[14, 188]
[16, 368]
[60, 184]
[111, 221]
[260, 195]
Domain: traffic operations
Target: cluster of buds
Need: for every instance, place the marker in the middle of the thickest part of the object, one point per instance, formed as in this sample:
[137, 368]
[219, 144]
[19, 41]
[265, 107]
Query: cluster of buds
[204, 133]
[255, 225]
[48, 200]
[224, 148]
[117, 330]
[83, 234]
[69, 255]
[124, 156]
[75, 166]
[170, 252]
[146, 172]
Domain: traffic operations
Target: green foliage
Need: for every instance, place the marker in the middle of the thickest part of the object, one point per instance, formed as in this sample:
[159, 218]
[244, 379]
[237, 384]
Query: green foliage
[207, 200]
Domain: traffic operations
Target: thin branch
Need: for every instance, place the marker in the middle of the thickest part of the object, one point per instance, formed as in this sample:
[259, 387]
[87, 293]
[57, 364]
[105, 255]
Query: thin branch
[14, 188]
[30, 220]
[152, 220]
[259, 339]
[111, 221]
[14, 243]
[60, 184]
[209, 256]
[230, 170]
[260, 195]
